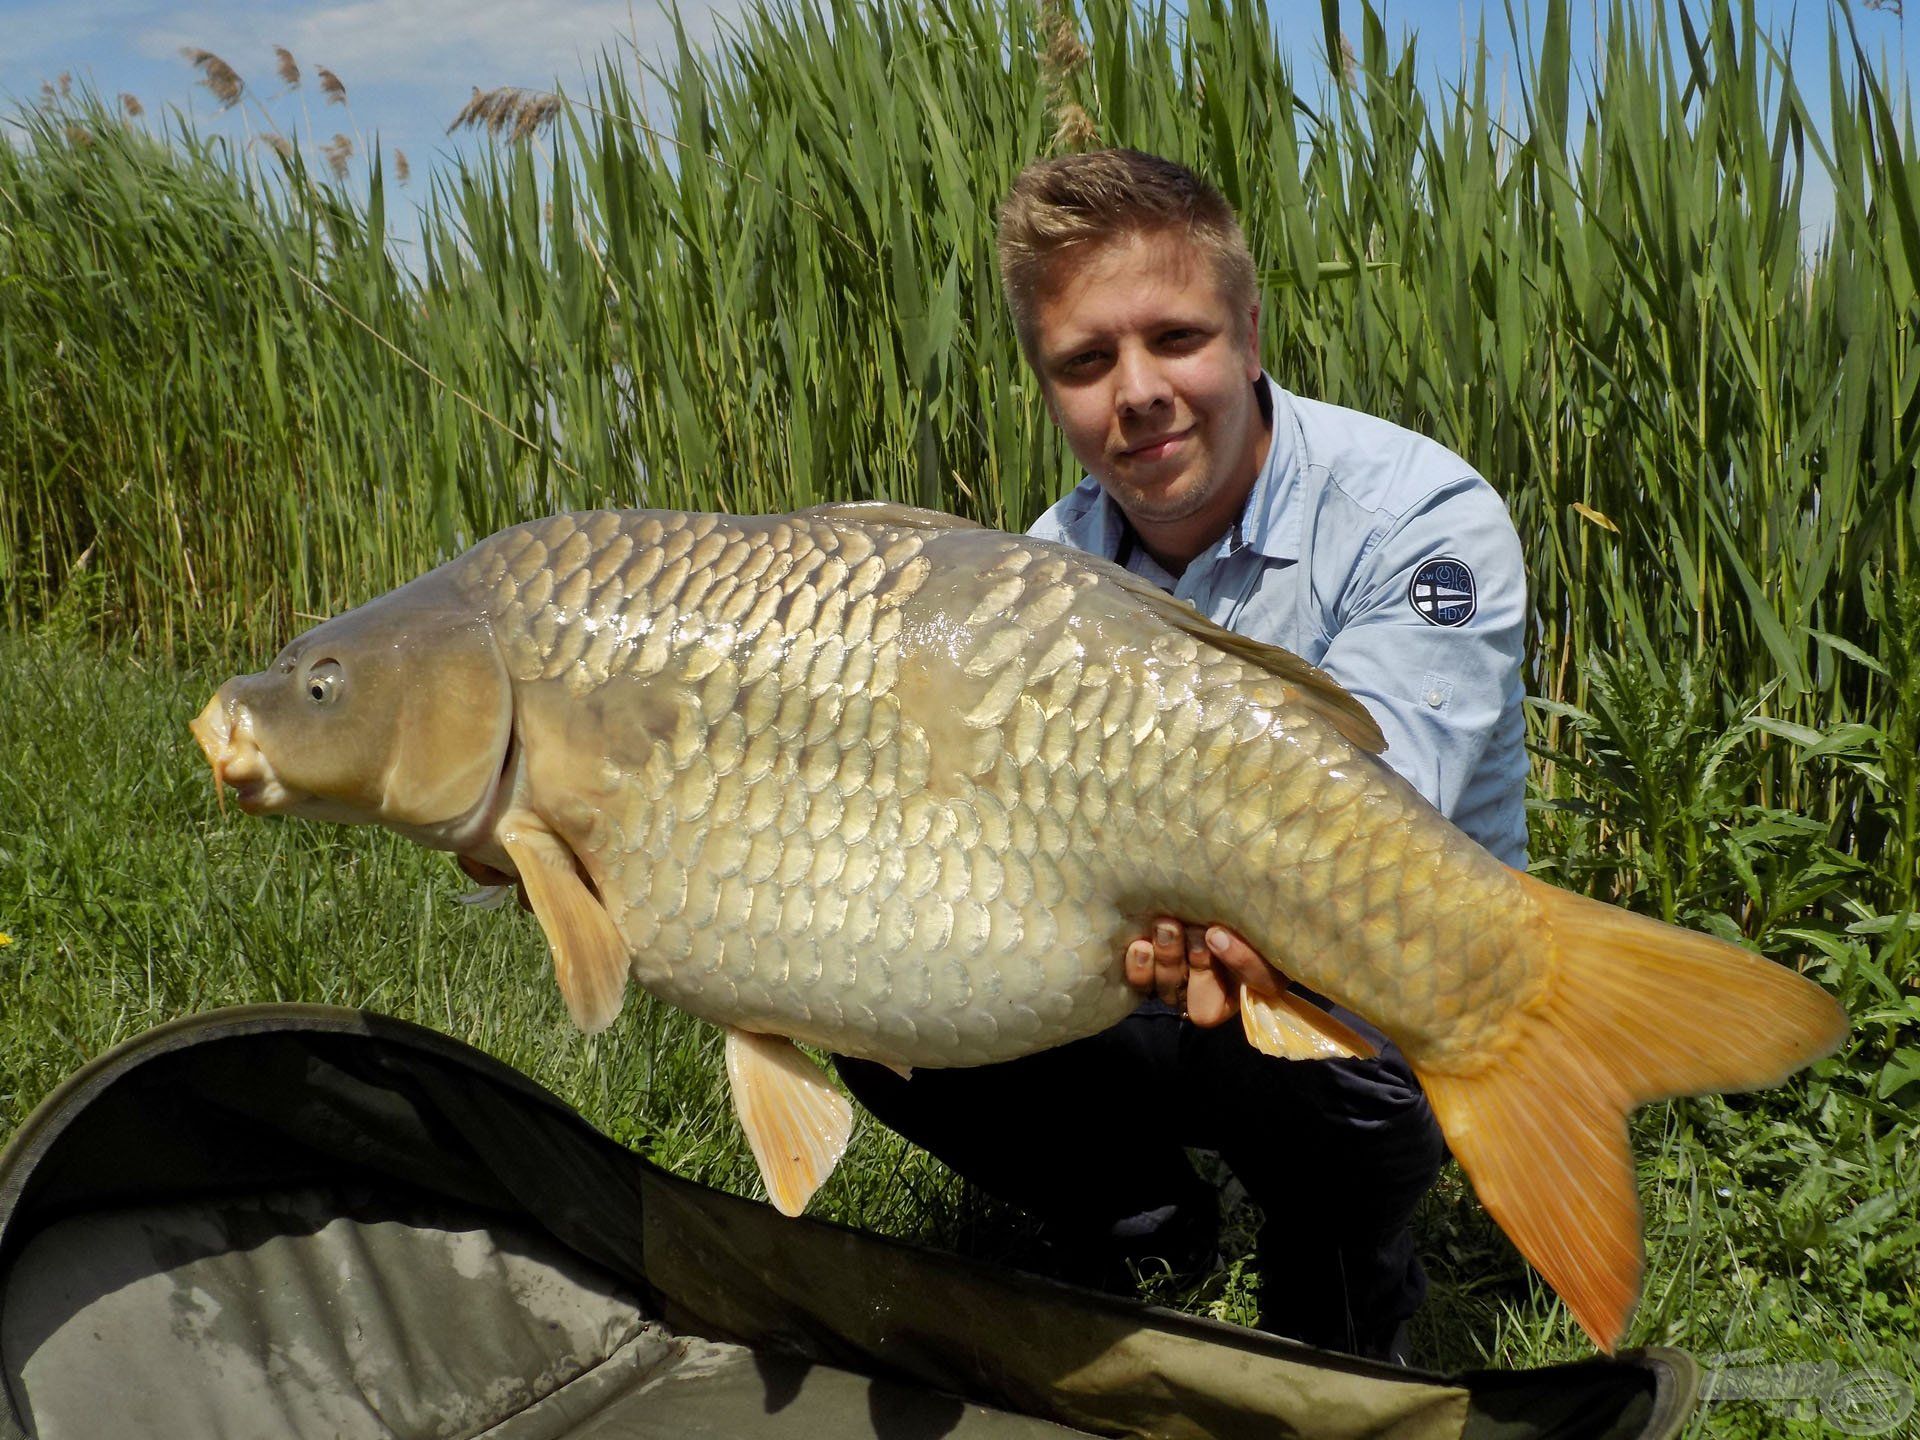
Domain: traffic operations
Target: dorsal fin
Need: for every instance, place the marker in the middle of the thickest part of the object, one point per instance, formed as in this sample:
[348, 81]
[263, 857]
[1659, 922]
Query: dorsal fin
[1319, 691]
[888, 512]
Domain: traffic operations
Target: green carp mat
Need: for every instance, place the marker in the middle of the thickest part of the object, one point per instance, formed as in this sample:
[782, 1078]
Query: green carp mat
[322, 1224]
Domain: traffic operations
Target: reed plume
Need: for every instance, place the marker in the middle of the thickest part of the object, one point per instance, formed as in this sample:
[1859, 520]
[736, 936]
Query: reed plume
[518, 112]
[337, 152]
[330, 86]
[130, 103]
[286, 68]
[1063, 56]
[401, 170]
[217, 76]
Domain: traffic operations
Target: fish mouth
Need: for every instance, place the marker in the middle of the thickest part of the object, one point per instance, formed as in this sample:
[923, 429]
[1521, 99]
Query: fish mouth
[224, 730]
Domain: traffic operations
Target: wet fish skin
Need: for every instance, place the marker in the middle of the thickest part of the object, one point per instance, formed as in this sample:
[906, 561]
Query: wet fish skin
[906, 793]
[903, 788]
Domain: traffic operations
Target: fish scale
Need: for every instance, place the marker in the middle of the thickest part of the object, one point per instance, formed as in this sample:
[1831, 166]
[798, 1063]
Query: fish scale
[904, 788]
[789, 638]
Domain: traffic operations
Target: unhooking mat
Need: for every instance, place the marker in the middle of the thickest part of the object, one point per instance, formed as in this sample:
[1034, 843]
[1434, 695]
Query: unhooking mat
[320, 1224]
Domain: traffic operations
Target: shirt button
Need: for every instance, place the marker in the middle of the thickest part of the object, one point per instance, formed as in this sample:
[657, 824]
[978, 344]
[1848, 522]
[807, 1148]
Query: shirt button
[1434, 698]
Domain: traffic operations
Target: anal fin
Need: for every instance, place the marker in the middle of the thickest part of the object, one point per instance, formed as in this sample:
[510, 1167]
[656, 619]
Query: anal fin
[796, 1122]
[1288, 1026]
[589, 954]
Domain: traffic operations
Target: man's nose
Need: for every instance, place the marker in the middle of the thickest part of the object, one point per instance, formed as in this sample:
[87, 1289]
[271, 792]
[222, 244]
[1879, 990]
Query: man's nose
[1140, 382]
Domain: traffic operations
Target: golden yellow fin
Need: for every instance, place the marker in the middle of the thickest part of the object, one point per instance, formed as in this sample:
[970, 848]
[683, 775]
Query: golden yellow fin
[589, 956]
[796, 1122]
[1288, 1026]
[1633, 1011]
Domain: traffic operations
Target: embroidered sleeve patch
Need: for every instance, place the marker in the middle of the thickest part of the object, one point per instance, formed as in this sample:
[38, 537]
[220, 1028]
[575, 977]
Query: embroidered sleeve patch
[1442, 591]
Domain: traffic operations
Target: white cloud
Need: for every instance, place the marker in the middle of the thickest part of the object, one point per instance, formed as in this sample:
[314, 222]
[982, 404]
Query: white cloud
[433, 43]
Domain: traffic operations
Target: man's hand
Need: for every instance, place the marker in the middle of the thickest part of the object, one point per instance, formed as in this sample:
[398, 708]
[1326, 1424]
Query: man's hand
[1199, 969]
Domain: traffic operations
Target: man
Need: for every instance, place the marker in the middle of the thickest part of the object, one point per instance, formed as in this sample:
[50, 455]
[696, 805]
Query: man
[1363, 547]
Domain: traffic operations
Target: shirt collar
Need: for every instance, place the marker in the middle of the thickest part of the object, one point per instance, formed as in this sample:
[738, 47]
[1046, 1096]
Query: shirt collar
[1270, 523]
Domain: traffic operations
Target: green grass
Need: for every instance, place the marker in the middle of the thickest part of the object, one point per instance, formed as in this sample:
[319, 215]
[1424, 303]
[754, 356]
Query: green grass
[1784, 1223]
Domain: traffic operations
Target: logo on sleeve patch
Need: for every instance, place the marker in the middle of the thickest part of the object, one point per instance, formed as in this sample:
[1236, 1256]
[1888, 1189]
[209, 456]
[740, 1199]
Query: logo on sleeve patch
[1442, 591]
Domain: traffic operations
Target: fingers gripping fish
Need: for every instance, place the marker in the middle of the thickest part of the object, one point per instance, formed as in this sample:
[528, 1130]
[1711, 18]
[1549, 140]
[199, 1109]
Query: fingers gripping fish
[878, 780]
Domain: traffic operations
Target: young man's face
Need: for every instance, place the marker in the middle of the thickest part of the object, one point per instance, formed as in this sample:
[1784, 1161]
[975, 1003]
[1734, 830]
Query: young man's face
[1148, 371]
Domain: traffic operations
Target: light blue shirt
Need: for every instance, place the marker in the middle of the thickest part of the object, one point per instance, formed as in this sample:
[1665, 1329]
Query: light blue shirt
[1383, 558]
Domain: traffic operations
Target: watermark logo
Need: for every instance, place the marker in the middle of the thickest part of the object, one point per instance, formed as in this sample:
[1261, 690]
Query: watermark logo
[1865, 1400]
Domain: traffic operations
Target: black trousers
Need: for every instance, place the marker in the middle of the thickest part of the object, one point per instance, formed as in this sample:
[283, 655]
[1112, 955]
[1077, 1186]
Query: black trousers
[1091, 1137]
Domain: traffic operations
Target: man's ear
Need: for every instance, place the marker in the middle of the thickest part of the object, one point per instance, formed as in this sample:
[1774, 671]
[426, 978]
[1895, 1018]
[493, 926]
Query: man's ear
[1253, 339]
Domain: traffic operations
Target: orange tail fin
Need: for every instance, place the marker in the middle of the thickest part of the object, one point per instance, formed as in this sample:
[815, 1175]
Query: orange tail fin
[1634, 1011]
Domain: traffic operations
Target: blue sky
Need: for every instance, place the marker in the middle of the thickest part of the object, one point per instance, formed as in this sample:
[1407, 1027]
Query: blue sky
[409, 65]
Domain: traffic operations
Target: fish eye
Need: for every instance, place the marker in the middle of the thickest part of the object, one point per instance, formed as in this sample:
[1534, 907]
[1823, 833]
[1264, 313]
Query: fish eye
[324, 682]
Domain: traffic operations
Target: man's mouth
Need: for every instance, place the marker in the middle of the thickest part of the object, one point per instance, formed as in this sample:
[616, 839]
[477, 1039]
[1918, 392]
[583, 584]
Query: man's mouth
[1158, 449]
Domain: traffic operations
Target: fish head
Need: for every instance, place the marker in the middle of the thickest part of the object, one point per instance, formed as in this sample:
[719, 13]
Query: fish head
[399, 713]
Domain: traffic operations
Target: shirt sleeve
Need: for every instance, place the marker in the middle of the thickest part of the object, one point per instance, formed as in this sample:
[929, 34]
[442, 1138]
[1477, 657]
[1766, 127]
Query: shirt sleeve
[1429, 634]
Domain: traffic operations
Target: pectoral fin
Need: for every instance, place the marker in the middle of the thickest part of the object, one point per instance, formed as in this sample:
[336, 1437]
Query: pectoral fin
[589, 955]
[1288, 1026]
[796, 1122]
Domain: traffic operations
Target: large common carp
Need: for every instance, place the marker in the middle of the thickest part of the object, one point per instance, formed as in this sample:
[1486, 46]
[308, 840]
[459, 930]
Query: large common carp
[885, 782]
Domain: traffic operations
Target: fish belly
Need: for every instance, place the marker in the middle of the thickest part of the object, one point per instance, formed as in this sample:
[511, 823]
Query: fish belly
[918, 942]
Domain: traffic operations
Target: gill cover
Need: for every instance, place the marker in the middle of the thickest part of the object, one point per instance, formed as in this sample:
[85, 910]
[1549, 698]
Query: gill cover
[399, 712]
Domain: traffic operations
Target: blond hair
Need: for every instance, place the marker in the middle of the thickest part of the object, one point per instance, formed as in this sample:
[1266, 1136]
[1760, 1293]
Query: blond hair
[1083, 202]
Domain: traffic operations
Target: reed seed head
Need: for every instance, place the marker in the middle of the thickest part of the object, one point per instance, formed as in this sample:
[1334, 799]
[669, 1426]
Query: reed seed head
[286, 68]
[518, 113]
[1065, 52]
[337, 152]
[1074, 129]
[402, 171]
[217, 76]
[130, 103]
[330, 86]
